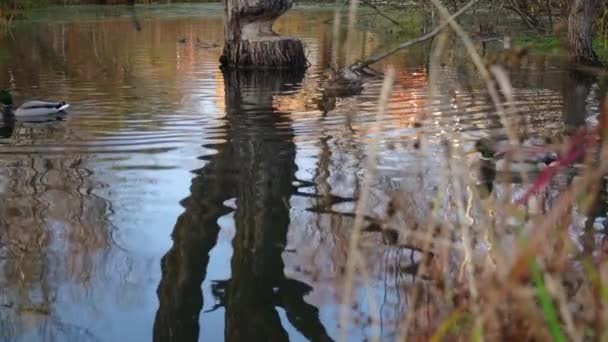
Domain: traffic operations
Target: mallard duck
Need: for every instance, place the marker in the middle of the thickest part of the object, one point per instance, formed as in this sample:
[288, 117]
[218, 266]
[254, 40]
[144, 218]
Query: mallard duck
[339, 85]
[30, 109]
[529, 158]
[492, 161]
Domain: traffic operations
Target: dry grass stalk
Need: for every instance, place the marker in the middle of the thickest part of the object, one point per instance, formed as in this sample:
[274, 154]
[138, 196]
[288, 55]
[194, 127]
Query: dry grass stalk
[353, 249]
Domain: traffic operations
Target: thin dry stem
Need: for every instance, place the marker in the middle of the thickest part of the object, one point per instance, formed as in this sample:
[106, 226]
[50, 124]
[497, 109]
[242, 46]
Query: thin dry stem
[558, 291]
[352, 14]
[481, 68]
[336, 37]
[428, 238]
[362, 203]
[373, 305]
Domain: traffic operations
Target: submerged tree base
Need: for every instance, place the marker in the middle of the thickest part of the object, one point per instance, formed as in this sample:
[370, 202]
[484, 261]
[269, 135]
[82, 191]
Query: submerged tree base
[275, 52]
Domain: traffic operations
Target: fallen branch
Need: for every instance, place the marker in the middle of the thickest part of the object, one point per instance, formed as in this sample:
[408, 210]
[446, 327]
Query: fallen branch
[373, 59]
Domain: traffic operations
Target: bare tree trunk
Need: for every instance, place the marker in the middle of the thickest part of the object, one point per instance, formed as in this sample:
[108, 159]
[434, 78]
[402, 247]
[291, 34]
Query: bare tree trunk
[249, 40]
[580, 32]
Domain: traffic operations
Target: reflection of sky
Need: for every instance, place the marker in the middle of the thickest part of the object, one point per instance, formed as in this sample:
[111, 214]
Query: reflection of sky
[145, 191]
[212, 323]
[121, 302]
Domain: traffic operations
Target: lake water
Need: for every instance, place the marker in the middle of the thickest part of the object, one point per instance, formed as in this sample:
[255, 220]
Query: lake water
[176, 202]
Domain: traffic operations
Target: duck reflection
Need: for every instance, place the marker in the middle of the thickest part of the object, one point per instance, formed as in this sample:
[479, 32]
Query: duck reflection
[256, 166]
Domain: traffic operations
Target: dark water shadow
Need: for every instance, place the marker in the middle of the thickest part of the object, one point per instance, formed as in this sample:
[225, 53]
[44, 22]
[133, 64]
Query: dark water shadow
[256, 165]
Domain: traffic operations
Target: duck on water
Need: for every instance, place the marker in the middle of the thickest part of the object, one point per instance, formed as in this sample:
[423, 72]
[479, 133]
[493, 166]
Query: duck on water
[30, 109]
[492, 161]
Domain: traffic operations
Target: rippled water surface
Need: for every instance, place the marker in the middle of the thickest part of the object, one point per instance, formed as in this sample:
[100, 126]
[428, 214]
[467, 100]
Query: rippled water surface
[177, 202]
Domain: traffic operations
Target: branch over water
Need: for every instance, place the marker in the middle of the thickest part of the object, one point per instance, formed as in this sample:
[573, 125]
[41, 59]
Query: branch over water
[373, 59]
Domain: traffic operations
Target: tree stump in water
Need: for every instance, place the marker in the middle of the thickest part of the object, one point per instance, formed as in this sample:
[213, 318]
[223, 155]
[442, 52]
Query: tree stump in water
[249, 40]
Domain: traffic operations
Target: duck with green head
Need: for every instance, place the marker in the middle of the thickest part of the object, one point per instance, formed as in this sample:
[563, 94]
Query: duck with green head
[492, 160]
[29, 109]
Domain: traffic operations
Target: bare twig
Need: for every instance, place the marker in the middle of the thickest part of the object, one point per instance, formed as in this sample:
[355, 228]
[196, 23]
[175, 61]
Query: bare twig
[382, 14]
[373, 59]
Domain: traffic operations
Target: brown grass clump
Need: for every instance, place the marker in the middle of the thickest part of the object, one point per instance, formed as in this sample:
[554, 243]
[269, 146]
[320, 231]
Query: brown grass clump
[493, 267]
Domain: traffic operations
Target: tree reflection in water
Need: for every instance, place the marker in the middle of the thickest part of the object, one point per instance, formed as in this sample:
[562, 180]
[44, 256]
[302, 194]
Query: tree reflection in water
[53, 233]
[256, 165]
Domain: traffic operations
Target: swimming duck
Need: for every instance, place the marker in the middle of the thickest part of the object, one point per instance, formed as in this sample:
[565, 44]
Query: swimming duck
[492, 161]
[29, 109]
[339, 85]
[530, 159]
